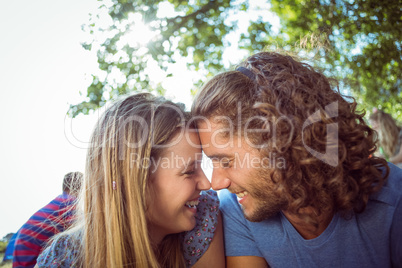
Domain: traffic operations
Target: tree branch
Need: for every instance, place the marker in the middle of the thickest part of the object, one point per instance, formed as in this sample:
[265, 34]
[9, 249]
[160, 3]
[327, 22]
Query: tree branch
[185, 18]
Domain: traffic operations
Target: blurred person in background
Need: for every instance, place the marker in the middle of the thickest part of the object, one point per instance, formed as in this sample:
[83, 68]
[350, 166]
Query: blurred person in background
[53, 218]
[389, 136]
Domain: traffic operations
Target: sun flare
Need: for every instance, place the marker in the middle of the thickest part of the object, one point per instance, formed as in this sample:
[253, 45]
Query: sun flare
[139, 34]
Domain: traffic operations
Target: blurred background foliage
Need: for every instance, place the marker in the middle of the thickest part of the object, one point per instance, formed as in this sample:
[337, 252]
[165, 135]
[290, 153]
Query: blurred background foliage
[360, 43]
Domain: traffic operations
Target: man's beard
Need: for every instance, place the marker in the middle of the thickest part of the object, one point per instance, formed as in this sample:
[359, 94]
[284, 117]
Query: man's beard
[266, 202]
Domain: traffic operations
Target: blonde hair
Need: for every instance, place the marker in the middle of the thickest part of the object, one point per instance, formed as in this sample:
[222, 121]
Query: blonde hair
[388, 132]
[112, 229]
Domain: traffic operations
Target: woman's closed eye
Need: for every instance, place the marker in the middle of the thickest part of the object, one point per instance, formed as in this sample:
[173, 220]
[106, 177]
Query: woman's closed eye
[189, 172]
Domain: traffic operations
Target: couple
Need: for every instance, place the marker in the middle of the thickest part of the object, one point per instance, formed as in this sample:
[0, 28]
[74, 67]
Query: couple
[295, 156]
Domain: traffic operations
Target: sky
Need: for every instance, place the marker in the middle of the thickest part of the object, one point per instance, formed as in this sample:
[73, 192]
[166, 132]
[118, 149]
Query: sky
[43, 69]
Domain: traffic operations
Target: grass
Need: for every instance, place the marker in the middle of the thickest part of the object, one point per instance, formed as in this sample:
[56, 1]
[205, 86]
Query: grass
[6, 264]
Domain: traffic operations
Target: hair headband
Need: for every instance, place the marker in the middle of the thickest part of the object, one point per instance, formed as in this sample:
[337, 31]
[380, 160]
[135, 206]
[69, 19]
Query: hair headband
[246, 72]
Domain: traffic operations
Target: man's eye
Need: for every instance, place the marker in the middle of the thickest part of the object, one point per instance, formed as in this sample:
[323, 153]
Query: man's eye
[222, 163]
[215, 163]
[225, 163]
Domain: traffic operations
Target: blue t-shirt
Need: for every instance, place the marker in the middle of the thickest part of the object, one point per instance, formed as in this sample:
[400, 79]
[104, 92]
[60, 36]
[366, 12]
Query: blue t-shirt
[63, 252]
[369, 239]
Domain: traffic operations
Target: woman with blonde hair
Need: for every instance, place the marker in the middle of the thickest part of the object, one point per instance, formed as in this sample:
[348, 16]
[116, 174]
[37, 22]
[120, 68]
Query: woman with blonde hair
[389, 136]
[144, 197]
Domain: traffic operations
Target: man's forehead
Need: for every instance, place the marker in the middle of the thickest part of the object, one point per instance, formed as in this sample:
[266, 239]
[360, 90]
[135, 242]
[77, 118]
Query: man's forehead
[220, 155]
[207, 123]
[216, 128]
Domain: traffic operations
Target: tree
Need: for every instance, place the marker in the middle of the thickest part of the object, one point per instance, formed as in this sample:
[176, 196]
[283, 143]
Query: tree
[364, 42]
[7, 237]
[194, 31]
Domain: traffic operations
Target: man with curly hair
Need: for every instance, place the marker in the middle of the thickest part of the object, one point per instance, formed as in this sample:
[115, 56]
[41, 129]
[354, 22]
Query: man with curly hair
[303, 189]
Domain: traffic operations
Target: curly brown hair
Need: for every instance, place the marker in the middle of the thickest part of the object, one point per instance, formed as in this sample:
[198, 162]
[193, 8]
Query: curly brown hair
[303, 115]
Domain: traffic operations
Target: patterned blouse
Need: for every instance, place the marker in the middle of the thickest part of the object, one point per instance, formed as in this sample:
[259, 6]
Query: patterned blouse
[63, 251]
